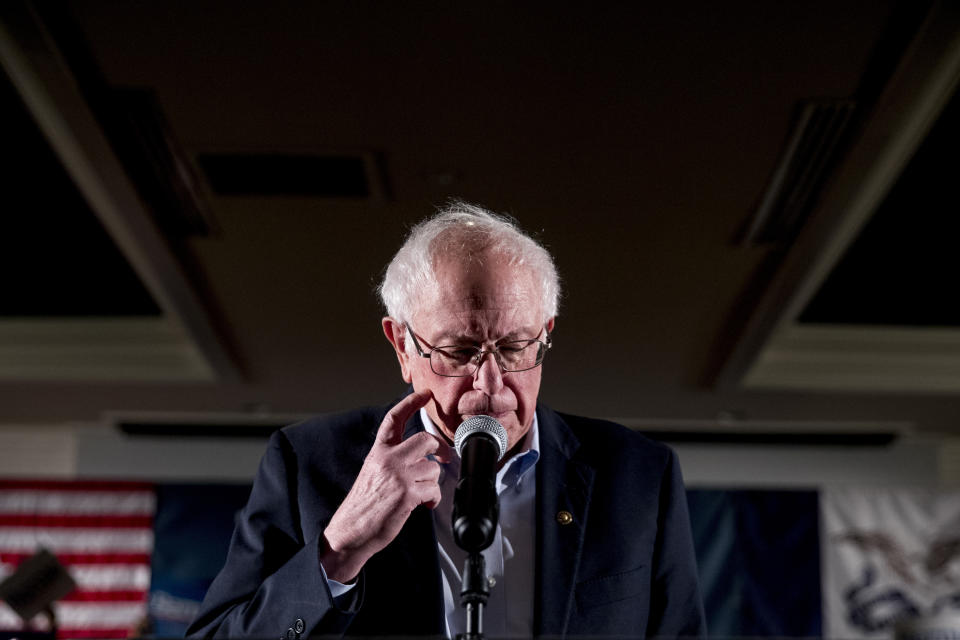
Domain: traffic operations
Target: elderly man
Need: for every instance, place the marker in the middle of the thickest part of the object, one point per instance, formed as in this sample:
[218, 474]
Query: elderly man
[347, 530]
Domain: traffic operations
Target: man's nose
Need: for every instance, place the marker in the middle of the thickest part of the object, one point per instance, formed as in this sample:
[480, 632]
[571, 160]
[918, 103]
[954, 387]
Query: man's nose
[488, 377]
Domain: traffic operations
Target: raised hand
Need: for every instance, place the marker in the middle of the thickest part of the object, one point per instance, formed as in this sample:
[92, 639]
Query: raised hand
[396, 477]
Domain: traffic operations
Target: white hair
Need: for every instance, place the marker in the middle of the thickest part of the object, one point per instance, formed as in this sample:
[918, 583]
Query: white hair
[463, 230]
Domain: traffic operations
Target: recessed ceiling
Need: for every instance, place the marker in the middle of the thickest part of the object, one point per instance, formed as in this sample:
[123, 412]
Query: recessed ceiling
[634, 139]
[902, 269]
[861, 305]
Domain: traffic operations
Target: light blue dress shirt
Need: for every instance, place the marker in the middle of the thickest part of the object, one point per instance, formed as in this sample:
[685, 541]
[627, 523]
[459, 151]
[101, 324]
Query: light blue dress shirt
[510, 560]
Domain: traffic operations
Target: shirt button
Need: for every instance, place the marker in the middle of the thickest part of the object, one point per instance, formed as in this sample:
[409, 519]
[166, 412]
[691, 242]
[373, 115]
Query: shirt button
[564, 517]
[291, 634]
[298, 625]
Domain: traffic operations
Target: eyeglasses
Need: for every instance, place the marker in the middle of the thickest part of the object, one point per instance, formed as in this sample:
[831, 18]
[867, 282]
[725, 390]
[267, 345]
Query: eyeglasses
[456, 361]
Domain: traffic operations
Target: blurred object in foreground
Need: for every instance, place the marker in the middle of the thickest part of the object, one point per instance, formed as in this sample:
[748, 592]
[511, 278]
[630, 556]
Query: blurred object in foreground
[38, 582]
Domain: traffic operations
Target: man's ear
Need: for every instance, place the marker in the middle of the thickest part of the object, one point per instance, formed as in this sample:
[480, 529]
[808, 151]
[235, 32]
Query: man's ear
[396, 333]
[550, 324]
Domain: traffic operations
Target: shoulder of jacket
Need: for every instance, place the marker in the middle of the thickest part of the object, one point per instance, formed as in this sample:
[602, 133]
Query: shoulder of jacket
[344, 426]
[608, 437]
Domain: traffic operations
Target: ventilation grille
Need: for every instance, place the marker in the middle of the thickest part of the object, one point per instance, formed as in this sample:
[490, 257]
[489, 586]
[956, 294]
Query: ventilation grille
[795, 439]
[800, 173]
[199, 430]
[177, 424]
[302, 175]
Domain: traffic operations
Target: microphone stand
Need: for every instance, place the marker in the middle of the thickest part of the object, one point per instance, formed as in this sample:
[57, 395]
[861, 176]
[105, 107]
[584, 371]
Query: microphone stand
[480, 442]
[473, 595]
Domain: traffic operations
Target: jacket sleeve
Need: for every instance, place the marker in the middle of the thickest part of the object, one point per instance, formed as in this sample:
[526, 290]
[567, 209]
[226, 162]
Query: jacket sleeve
[676, 608]
[271, 585]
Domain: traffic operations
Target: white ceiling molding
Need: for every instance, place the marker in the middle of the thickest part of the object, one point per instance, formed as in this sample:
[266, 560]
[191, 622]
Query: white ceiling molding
[99, 350]
[38, 451]
[859, 358]
[41, 76]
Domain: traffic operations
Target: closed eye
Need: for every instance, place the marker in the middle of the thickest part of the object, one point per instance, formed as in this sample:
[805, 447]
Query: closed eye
[462, 354]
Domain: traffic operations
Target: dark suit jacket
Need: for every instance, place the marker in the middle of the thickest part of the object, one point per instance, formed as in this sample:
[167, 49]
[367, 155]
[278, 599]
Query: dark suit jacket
[623, 567]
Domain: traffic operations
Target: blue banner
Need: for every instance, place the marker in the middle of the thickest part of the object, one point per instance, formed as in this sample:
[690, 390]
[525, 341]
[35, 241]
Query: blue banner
[758, 554]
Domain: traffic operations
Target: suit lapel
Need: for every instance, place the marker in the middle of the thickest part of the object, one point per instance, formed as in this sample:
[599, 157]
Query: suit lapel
[564, 485]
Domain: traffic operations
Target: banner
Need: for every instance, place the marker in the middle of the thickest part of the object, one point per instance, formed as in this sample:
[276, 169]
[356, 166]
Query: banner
[102, 532]
[193, 525]
[887, 553]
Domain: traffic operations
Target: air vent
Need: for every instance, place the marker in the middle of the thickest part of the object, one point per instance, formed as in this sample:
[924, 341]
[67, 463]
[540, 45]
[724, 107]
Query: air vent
[794, 439]
[800, 173]
[729, 429]
[305, 175]
[198, 430]
[174, 424]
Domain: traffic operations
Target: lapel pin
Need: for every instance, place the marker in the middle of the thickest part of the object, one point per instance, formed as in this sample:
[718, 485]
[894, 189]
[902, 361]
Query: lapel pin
[564, 517]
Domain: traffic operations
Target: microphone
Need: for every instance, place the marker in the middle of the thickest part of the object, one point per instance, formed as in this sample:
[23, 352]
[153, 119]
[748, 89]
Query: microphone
[480, 442]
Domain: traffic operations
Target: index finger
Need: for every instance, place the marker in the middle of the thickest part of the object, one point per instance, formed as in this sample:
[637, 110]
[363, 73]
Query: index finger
[391, 429]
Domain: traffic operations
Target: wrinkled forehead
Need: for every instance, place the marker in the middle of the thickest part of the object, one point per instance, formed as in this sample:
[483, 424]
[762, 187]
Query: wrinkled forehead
[481, 282]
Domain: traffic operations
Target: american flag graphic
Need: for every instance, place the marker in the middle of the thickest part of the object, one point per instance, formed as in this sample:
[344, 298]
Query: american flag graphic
[102, 532]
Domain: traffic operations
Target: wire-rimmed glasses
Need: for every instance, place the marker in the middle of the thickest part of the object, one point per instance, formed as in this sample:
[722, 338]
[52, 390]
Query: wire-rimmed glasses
[456, 361]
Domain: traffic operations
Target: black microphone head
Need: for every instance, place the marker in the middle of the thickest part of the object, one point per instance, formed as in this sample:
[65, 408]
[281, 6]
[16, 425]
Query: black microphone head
[480, 424]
